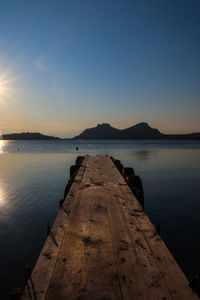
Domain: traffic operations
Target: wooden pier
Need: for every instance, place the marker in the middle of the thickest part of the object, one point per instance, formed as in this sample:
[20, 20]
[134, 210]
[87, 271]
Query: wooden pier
[103, 246]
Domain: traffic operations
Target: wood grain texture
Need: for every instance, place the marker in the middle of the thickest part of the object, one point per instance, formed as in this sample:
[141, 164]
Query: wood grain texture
[107, 247]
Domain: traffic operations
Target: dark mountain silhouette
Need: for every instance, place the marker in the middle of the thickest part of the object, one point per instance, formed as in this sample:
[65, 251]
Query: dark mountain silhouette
[106, 131]
[28, 136]
[138, 131]
[101, 131]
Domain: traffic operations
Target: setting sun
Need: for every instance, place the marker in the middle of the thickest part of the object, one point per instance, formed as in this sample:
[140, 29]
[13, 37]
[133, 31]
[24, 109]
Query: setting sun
[4, 86]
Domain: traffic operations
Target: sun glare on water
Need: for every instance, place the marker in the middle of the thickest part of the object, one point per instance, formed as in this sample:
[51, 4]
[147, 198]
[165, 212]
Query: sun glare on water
[2, 201]
[1, 146]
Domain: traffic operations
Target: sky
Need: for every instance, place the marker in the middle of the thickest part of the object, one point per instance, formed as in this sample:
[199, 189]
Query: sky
[68, 65]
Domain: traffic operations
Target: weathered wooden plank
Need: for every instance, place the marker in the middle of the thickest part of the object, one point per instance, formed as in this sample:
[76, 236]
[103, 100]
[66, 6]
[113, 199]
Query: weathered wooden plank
[38, 283]
[107, 246]
[160, 266]
[89, 270]
[137, 268]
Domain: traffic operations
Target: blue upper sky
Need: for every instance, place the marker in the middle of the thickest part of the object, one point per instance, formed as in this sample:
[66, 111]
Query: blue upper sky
[67, 65]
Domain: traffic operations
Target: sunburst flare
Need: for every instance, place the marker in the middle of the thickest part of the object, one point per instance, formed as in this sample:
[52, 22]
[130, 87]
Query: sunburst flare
[5, 87]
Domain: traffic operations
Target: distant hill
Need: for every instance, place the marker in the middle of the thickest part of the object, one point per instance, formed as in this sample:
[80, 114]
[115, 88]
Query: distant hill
[138, 131]
[28, 136]
[105, 131]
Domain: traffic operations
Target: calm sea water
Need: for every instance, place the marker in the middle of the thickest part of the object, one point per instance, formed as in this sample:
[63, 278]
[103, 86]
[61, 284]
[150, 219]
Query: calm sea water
[32, 181]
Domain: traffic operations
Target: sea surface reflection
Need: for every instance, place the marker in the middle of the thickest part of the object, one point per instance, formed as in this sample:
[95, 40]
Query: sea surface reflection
[2, 201]
[33, 175]
[1, 146]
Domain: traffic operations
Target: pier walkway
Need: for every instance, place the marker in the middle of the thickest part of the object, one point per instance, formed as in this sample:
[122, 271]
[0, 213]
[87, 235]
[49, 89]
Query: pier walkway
[103, 246]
